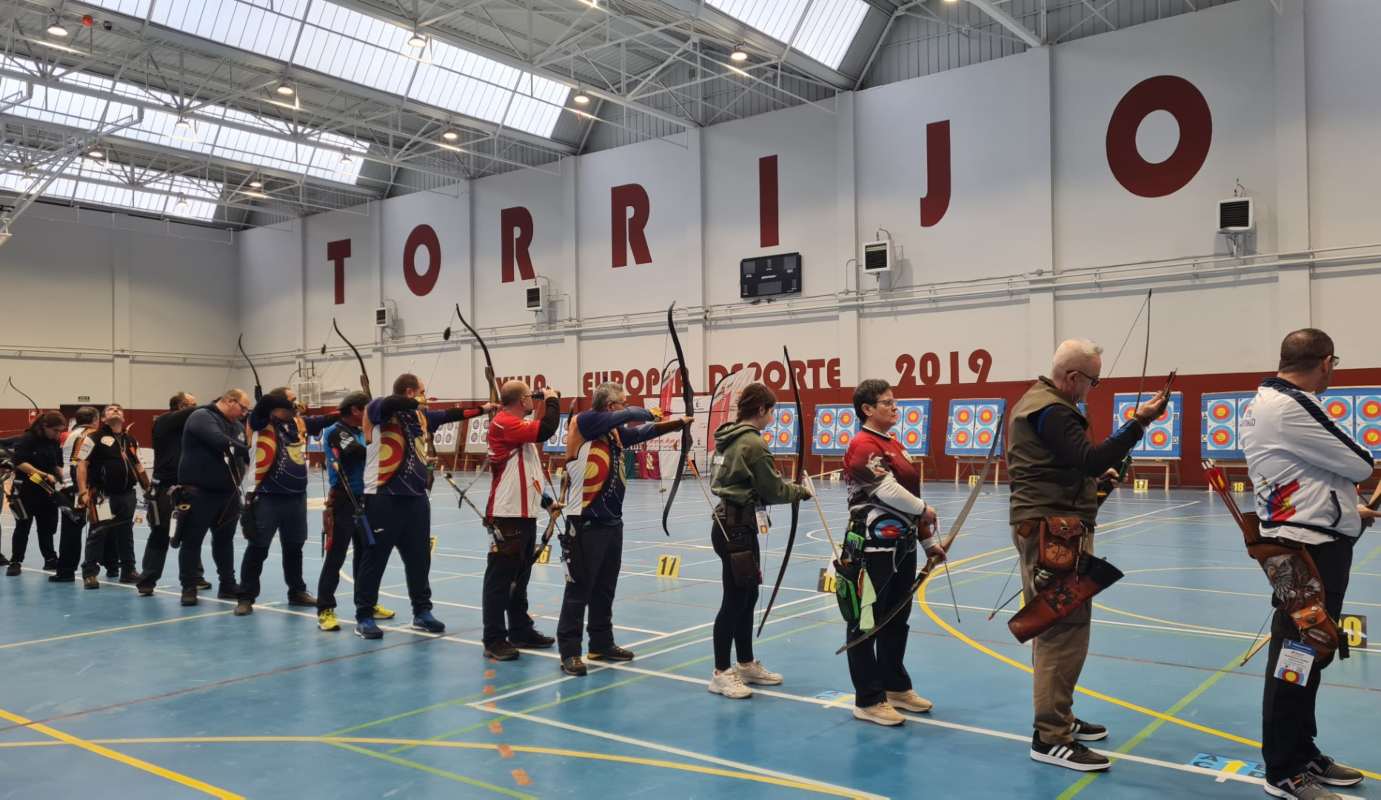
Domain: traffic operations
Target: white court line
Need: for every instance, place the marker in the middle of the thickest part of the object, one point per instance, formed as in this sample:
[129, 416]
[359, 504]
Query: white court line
[481, 608]
[1217, 775]
[683, 753]
[766, 692]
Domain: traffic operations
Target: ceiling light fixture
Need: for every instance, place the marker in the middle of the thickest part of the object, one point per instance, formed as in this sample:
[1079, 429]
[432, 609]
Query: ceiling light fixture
[285, 89]
[738, 55]
[345, 161]
[182, 204]
[581, 99]
[184, 124]
[417, 41]
[55, 27]
[450, 136]
[256, 184]
[95, 154]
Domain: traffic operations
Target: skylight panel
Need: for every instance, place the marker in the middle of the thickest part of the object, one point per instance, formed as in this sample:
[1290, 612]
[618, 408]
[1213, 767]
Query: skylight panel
[134, 8]
[267, 30]
[826, 27]
[92, 182]
[829, 28]
[355, 47]
[776, 18]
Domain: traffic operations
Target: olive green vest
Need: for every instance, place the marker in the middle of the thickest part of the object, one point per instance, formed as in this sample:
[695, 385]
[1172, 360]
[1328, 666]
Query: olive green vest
[1041, 487]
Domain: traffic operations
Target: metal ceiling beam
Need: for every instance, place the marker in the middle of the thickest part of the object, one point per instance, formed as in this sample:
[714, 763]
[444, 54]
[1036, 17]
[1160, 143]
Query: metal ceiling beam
[1001, 17]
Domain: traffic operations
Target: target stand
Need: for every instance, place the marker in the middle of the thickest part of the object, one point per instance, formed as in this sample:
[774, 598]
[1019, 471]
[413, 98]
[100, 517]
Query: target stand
[968, 465]
[1166, 465]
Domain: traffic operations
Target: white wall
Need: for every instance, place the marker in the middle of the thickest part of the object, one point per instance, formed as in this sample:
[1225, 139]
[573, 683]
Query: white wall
[1034, 211]
[115, 308]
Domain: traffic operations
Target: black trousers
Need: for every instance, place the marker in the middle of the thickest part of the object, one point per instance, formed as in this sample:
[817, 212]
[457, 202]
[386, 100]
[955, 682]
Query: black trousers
[346, 532]
[219, 513]
[156, 548]
[71, 528]
[596, 578]
[119, 529]
[1288, 725]
[42, 512]
[505, 581]
[404, 522]
[284, 514]
[876, 665]
[733, 625]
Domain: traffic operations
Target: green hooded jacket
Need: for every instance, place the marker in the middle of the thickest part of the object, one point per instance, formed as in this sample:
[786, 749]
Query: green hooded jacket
[746, 474]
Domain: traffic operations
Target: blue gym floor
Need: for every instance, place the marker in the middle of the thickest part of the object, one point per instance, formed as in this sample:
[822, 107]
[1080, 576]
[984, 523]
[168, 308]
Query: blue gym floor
[108, 693]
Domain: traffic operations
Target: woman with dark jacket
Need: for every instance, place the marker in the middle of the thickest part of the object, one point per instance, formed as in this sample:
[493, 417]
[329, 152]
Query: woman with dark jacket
[37, 476]
[746, 482]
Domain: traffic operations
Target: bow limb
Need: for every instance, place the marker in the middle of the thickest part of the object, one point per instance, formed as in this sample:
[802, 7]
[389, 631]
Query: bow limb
[26, 396]
[934, 561]
[364, 373]
[258, 387]
[796, 477]
[688, 397]
[489, 375]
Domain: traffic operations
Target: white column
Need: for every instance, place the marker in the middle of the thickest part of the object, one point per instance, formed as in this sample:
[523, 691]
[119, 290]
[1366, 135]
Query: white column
[1292, 168]
[843, 273]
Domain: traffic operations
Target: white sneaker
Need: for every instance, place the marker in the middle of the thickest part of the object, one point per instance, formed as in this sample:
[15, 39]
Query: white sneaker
[755, 672]
[729, 684]
[882, 714]
[909, 701]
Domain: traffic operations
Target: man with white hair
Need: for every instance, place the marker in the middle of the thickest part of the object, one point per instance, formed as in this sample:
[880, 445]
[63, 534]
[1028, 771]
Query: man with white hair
[1055, 470]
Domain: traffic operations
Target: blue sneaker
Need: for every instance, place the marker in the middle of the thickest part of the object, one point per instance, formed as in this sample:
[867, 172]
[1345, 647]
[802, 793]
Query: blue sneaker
[426, 622]
[366, 629]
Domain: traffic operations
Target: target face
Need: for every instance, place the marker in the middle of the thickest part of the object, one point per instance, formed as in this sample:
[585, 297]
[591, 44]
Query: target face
[844, 438]
[826, 417]
[1221, 436]
[1371, 409]
[913, 416]
[985, 437]
[986, 416]
[1371, 437]
[1337, 409]
[1159, 438]
[912, 438]
[825, 439]
[961, 437]
[1220, 411]
[963, 416]
[846, 419]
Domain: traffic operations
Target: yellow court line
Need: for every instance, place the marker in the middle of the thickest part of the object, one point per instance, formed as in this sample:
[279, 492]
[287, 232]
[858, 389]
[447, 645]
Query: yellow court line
[452, 745]
[982, 648]
[92, 747]
[104, 631]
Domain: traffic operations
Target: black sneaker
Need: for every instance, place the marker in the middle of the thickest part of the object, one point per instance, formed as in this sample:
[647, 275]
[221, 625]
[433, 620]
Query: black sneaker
[145, 589]
[1332, 773]
[244, 608]
[13, 569]
[502, 650]
[203, 585]
[50, 565]
[532, 640]
[614, 653]
[230, 592]
[1303, 786]
[62, 577]
[91, 582]
[189, 596]
[129, 576]
[1070, 756]
[574, 666]
[1088, 731]
[112, 572]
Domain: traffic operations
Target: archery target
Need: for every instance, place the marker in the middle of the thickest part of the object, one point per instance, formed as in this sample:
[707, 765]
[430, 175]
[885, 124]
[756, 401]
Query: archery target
[557, 442]
[913, 427]
[1356, 410]
[1368, 411]
[972, 425]
[1338, 407]
[780, 435]
[835, 426]
[1162, 438]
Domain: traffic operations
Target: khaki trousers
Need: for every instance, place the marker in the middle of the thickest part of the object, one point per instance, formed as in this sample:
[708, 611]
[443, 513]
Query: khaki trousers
[1056, 655]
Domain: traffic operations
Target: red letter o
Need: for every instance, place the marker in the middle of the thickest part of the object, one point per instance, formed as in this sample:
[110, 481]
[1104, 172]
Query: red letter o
[421, 283]
[1184, 101]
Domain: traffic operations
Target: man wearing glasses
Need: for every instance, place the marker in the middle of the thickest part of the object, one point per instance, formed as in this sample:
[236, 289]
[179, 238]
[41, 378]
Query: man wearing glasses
[1055, 471]
[1304, 472]
[214, 456]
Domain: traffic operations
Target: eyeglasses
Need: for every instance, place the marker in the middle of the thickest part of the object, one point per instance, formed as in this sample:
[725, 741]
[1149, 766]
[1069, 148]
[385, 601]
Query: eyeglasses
[886, 403]
[1333, 360]
[1092, 381]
